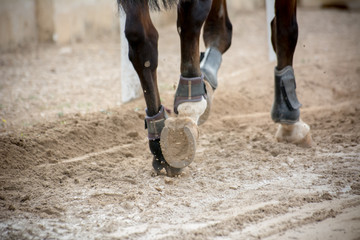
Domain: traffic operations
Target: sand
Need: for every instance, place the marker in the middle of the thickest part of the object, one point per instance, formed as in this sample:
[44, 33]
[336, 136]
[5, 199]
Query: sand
[75, 162]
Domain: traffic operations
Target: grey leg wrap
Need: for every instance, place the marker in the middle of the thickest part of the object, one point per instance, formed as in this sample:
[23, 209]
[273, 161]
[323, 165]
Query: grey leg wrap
[155, 124]
[285, 108]
[189, 90]
[210, 64]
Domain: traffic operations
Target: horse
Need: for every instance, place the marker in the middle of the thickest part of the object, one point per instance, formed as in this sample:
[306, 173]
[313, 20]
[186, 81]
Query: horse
[172, 140]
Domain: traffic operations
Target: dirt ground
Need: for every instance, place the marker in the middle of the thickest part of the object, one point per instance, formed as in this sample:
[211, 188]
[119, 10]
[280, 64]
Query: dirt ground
[75, 162]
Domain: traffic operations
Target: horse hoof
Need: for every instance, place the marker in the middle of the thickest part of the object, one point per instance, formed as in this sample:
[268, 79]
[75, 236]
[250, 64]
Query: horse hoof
[172, 172]
[157, 165]
[297, 133]
[209, 93]
[178, 141]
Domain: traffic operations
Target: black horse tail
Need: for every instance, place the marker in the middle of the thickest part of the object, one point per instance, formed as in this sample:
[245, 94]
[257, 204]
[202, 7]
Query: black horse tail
[155, 5]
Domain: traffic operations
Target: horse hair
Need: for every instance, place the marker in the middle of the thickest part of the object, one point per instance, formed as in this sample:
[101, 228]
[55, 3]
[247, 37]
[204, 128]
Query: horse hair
[155, 5]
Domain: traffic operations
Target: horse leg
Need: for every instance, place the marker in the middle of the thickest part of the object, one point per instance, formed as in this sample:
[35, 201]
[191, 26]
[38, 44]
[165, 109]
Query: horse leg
[286, 107]
[178, 141]
[217, 38]
[143, 53]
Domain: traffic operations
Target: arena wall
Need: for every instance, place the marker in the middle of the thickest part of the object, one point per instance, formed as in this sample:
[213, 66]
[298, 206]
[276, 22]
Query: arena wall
[29, 22]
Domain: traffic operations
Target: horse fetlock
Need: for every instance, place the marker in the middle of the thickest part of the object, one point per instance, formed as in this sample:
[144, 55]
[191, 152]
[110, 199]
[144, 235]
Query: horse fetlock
[192, 110]
[190, 97]
[210, 64]
[155, 124]
[286, 106]
[297, 133]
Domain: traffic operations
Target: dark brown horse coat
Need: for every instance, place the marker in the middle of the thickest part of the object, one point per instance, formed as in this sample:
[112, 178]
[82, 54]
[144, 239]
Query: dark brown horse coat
[199, 76]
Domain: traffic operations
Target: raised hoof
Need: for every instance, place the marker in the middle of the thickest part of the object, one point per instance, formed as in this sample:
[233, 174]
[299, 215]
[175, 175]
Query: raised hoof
[209, 93]
[178, 141]
[297, 133]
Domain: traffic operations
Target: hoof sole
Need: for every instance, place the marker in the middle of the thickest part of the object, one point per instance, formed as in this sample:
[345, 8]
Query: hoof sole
[178, 142]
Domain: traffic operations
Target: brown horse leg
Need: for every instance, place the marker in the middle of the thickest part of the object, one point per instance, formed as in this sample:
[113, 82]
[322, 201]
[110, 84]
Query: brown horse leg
[178, 141]
[284, 32]
[286, 107]
[191, 17]
[143, 53]
[217, 38]
[218, 28]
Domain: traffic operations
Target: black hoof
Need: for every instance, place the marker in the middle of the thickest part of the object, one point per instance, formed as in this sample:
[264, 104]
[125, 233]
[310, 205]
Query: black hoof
[158, 160]
[158, 165]
[171, 171]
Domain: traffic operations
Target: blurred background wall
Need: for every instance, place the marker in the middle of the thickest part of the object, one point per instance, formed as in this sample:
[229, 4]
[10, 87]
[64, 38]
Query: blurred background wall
[17, 23]
[24, 22]
[29, 22]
